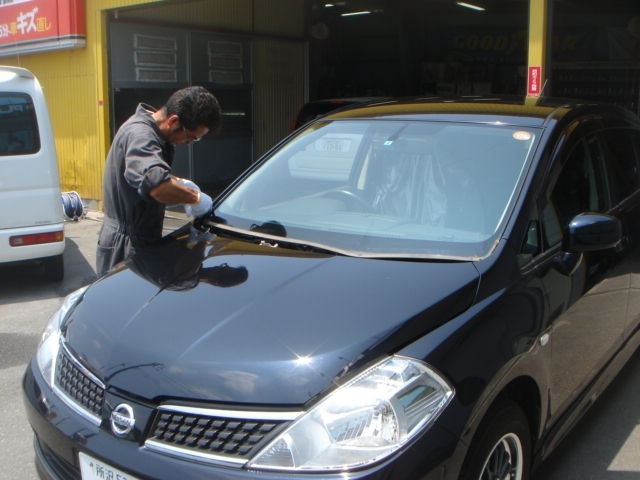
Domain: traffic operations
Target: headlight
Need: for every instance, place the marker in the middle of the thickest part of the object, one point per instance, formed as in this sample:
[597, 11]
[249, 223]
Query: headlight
[361, 422]
[50, 341]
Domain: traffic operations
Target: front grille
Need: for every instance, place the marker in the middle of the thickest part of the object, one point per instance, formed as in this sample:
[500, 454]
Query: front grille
[78, 385]
[217, 437]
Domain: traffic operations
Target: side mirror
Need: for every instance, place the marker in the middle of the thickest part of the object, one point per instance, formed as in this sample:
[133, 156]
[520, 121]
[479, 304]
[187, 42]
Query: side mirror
[592, 231]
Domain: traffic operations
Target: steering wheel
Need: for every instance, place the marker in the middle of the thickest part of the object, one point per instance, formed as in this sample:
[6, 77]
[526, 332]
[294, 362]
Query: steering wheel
[351, 197]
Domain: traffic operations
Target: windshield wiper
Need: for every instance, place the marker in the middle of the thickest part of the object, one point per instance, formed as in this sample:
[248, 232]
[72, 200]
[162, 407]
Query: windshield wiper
[271, 234]
[266, 237]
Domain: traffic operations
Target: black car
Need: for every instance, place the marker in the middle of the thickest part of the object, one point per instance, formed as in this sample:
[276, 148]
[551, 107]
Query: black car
[409, 291]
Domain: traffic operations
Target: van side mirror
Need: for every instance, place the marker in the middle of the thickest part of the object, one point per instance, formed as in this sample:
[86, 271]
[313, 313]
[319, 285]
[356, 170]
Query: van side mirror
[589, 231]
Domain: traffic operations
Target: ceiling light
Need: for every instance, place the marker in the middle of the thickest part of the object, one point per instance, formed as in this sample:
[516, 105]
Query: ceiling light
[353, 14]
[471, 6]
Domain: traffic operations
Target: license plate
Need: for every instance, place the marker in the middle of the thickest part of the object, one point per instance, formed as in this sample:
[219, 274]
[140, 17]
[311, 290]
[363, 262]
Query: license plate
[92, 469]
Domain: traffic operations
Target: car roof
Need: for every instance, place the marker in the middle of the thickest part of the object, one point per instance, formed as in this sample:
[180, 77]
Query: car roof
[522, 111]
[317, 108]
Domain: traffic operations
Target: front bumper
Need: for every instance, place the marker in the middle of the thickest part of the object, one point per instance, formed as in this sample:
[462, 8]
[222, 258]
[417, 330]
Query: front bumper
[61, 433]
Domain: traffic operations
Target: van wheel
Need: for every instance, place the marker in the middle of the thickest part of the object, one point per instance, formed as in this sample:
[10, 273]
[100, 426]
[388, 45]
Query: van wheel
[53, 268]
[501, 449]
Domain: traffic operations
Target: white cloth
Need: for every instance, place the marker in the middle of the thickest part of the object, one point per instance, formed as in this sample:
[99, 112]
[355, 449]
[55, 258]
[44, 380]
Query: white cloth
[202, 206]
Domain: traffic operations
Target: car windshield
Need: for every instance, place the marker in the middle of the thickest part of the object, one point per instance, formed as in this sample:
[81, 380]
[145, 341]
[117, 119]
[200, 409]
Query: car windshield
[385, 188]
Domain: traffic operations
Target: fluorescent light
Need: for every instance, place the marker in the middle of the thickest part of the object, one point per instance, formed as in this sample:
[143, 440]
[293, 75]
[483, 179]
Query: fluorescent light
[353, 14]
[471, 6]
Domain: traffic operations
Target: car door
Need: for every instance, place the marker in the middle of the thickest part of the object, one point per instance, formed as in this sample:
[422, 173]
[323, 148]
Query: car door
[587, 294]
[622, 148]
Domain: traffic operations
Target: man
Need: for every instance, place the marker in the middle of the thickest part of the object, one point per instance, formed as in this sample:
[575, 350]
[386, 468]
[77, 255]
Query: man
[137, 180]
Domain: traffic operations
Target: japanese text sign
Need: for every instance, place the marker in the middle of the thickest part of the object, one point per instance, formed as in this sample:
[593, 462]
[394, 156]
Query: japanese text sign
[28, 26]
[533, 81]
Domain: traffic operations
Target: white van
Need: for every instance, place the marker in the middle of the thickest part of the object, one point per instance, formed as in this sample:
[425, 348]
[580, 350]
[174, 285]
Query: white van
[31, 215]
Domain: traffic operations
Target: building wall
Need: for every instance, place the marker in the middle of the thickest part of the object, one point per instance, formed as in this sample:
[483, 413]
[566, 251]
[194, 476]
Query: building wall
[282, 18]
[279, 89]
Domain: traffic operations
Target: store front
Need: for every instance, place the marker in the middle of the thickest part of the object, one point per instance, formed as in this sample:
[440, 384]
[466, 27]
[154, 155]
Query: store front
[265, 58]
[405, 47]
[445, 47]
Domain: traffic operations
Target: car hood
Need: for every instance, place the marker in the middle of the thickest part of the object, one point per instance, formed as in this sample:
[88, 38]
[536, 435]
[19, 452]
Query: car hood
[236, 322]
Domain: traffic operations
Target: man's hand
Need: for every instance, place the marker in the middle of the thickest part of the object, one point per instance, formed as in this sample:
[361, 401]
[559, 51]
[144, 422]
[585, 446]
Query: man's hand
[202, 206]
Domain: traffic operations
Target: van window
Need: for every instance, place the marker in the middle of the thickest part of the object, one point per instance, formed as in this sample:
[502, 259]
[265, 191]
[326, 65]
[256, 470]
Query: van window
[18, 125]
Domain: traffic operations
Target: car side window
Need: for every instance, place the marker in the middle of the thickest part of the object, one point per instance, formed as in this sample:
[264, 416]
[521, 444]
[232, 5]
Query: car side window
[621, 146]
[582, 186]
[531, 244]
[552, 226]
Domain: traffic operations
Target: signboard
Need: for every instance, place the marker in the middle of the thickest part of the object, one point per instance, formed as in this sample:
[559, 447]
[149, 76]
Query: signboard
[480, 45]
[28, 26]
[533, 81]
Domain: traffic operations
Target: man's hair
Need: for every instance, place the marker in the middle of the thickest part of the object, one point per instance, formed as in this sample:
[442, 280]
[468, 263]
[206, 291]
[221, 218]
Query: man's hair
[195, 106]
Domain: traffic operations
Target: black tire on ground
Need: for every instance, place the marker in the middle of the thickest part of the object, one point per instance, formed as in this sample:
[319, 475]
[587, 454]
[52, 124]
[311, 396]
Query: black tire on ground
[53, 268]
[501, 448]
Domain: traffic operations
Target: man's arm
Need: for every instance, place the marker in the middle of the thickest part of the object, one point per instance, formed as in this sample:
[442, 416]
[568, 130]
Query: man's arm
[173, 192]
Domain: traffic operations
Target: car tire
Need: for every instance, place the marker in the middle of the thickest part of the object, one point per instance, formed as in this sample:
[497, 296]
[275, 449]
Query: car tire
[501, 448]
[53, 268]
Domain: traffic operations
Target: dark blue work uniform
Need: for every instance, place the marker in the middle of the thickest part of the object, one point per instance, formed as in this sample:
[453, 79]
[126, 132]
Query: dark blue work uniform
[139, 160]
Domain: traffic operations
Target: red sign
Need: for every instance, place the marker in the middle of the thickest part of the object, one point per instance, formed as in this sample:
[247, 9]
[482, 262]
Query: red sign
[36, 25]
[534, 81]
